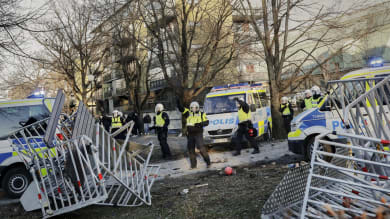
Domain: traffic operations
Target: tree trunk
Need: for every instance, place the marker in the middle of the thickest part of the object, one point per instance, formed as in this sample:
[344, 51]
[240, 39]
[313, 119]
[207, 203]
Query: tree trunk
[278, 129]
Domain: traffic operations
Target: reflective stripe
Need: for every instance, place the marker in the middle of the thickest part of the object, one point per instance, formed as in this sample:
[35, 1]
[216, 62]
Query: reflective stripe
[314, 102]
[226, 94]
[308, 103]
[48, 104]
[159, 120]
[185, 110]
[194, 118]
[295, 134]
[261, 127]
[23, 101]
[116, 122]
[286, 110]
[364, 74]
[243, 116]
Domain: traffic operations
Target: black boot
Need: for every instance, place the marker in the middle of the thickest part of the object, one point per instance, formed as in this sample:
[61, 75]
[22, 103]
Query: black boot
[256, 151]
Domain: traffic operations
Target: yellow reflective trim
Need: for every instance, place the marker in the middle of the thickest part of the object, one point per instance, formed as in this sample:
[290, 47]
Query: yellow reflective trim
[43, 172]
[364, 74]
[295, 134]
[270, 121]
[386, 148]
[48, 104]
[322, 101]
[14, 153]
[226, 94]
[261, 127]
[24, 101]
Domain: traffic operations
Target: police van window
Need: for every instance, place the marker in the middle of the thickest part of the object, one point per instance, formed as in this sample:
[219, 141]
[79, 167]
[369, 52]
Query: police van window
[13, 118]
[257, 99]
[221, 104]
[264, 99]
[250, 99]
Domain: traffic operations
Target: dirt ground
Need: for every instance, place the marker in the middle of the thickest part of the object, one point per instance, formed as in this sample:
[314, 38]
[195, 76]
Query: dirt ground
[238, 196]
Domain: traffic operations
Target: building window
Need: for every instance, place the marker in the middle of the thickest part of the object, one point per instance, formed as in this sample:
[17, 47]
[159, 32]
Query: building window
[245, 27]
[250, 68]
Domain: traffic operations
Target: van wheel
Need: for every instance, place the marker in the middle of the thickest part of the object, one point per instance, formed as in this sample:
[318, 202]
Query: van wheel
[310, 146]
[16, 181]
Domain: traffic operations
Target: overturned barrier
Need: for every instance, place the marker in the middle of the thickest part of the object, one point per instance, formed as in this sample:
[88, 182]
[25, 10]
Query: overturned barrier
[352, 181]
[74, 163]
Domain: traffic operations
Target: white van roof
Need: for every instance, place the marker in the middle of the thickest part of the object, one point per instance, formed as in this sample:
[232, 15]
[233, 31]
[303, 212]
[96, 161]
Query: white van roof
[364, 72]
[22, 102]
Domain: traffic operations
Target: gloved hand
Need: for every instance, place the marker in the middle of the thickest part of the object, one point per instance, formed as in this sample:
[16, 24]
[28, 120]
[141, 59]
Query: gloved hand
[236, 99]
[198, 125]
[153, 127]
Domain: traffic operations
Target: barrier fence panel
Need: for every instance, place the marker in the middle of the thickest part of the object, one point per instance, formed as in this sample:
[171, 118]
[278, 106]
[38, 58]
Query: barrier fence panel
[354, 181]
[84, 164]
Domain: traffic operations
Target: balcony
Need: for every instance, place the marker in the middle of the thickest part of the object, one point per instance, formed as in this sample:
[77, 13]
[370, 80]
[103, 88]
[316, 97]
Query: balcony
[158, 84]
[107, 94]
[121, 92]
[107, 77]
[118, 75]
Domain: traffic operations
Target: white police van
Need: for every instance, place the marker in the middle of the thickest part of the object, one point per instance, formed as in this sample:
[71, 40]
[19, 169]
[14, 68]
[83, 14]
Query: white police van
[221, 110]
[14, 178]
[308, 124]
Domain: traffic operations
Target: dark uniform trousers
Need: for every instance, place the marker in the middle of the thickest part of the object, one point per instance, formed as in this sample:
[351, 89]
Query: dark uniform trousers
[162, 135]
[197, 140]
[242, 132]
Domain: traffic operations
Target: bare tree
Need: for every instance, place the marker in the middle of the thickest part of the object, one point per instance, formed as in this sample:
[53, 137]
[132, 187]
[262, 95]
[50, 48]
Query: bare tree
[14, 22]
[192, 42]
[292, 33]
[126, 36]
[70, 49]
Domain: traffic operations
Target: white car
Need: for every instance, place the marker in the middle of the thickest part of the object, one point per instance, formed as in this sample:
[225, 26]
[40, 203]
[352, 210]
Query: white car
[14, 178]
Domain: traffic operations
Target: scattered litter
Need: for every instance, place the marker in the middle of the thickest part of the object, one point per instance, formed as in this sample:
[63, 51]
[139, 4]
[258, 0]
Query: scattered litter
[184, 191]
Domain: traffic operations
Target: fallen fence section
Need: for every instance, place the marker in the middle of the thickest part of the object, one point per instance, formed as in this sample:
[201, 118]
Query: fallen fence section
[75, 163]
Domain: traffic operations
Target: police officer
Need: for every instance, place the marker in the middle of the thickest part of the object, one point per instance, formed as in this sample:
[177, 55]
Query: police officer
[307, 102]
[317, 97]
[287, 113]
[116, 123]
[161, 122]
[244, 125]
[196, 120]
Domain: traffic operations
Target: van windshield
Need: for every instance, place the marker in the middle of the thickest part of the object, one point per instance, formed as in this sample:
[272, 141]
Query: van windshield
[13, 118]
[221, 104]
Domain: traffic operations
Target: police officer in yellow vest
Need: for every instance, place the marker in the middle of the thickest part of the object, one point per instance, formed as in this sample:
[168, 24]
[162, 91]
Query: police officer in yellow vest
[244, 125]
[116, 122]
[317, 97]
[287, 113]
[307, 102]
[161, 122]
[196, 120]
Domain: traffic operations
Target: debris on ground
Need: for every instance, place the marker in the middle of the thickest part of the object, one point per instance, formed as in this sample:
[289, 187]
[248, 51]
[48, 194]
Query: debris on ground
[207, 196]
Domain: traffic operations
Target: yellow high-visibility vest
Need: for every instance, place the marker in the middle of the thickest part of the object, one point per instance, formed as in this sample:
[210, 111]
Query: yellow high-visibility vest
[159, 120]
[243, 116]
[194, 118]
[116, 122]
[315, 102]
[286, 110]
[308, 103]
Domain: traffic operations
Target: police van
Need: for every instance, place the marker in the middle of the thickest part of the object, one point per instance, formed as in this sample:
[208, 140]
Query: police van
[14, 178]
[308, 124]
[222, 112]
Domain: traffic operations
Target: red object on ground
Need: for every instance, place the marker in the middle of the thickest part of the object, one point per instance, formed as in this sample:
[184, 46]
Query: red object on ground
[228, 170]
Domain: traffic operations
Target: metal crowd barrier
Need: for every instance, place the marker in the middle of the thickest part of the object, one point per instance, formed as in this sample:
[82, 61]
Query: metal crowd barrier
[74, 163]
[354, 183]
